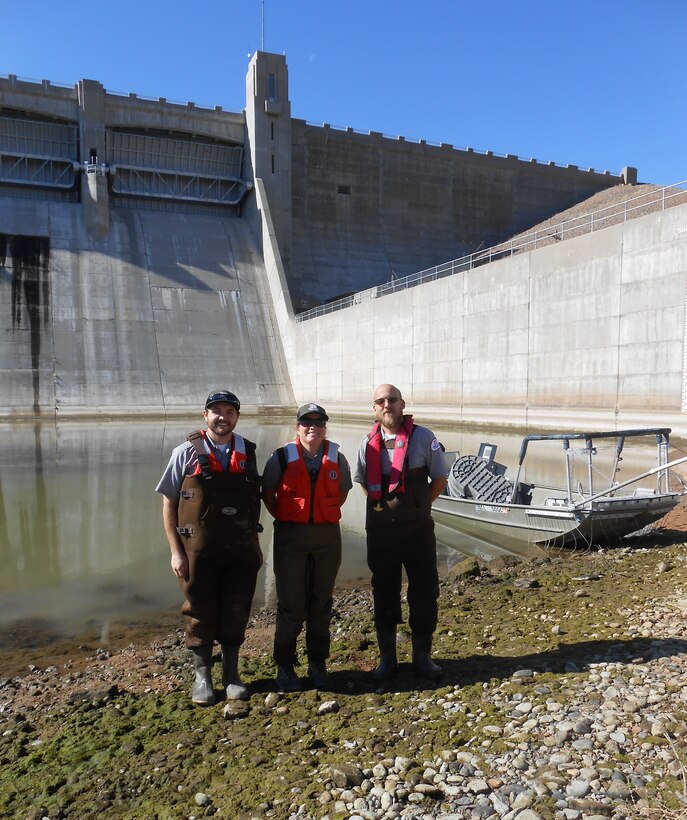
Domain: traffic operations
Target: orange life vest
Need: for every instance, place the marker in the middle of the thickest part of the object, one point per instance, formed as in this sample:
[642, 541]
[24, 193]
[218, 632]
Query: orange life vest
[237, 460]
[296, 501]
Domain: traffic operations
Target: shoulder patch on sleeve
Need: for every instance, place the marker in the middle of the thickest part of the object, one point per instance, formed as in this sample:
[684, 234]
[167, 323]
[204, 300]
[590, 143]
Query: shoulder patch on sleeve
[435, 445]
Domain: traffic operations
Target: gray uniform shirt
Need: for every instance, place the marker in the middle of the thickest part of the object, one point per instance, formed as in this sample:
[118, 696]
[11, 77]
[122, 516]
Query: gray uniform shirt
[272, 474]
[424, 450]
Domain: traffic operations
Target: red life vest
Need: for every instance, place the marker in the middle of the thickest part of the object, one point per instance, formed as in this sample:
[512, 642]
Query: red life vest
[373, 459]
[237, 460]
[295, 501]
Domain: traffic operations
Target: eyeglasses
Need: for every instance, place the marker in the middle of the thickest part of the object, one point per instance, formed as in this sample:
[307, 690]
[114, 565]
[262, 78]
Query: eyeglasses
[312, 422]
[386, 399]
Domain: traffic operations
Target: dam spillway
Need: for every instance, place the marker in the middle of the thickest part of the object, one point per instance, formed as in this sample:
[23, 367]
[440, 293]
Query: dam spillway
[140, 320]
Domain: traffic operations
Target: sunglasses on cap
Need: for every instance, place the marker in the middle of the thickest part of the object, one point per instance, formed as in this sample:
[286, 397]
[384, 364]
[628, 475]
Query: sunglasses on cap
[223, 396]
[312, 422]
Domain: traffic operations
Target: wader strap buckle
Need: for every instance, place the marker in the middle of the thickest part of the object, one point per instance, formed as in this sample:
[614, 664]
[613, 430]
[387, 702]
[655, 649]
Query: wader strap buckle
[186, 532]
[196, 439]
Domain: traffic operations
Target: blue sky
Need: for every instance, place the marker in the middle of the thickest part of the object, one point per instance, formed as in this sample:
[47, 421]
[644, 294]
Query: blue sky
[594, 83]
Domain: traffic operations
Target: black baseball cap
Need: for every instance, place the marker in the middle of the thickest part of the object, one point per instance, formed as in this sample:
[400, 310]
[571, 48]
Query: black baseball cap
[222, 395]
[307, 409]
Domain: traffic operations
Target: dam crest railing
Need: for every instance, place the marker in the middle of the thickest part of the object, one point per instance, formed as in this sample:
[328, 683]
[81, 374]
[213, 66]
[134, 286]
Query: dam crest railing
[655, 200]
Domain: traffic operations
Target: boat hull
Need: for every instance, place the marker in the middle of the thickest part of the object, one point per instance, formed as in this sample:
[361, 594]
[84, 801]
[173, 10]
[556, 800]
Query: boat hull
[603, 523]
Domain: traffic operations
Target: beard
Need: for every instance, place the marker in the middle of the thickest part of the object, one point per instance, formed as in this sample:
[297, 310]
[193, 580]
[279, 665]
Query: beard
[220, 428]
[390, 419]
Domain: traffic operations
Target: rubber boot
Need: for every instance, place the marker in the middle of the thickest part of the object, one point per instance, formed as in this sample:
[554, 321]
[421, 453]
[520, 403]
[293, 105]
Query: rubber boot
[386, 639]
[202, 693]
[231, 680]
[317, 672]
[287, 679]
[422, 657]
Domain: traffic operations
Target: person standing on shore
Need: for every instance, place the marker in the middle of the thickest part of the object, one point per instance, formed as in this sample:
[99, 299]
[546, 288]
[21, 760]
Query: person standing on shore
[210, 511]
[305, 483]
[401, 470]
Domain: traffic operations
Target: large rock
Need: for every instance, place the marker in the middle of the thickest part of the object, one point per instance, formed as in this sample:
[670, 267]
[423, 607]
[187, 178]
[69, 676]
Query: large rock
[502, 563]
[345, 775]
[468, 568]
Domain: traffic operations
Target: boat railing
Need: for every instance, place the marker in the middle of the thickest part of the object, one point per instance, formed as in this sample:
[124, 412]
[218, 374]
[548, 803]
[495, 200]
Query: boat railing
[646, 474]
[662, 435]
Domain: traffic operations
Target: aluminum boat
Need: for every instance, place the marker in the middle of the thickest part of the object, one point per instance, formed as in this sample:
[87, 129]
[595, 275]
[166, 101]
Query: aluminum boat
[593, 507]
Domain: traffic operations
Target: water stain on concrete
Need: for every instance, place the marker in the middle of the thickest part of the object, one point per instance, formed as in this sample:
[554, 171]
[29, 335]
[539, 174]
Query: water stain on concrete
[28, 260]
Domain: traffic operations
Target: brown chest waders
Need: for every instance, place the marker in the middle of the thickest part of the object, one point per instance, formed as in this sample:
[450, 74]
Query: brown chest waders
[219, 505]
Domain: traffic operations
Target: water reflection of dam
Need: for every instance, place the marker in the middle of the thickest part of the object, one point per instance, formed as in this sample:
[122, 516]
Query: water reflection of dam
[80, 523]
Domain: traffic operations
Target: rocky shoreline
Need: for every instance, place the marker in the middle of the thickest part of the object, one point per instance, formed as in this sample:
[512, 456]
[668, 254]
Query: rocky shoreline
[564, 695]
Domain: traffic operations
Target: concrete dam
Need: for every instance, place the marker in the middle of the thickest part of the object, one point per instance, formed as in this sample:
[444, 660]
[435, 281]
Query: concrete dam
[150, 251]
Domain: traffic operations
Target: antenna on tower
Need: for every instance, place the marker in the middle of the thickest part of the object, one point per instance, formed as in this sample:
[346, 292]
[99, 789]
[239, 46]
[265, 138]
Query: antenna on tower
[263, 25]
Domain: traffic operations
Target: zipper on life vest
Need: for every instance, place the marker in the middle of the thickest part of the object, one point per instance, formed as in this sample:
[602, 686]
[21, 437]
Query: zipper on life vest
[313, 480]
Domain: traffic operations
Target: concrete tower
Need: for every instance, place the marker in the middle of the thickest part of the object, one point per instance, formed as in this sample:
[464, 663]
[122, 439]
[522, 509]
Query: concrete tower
[268, 139]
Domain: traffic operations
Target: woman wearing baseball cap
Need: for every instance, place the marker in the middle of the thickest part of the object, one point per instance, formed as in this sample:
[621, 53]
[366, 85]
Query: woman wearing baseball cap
[305, 484]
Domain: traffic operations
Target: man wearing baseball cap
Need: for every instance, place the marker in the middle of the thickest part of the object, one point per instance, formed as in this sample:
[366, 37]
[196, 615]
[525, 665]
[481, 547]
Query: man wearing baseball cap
[210, 509]
[305, 484]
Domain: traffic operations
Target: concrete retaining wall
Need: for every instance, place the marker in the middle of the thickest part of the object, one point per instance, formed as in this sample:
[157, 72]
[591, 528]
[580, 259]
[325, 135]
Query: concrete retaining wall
[46, 99]
[591, 330]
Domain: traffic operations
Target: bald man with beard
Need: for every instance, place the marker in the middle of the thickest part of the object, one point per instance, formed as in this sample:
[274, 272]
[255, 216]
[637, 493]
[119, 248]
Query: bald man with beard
[401, 470]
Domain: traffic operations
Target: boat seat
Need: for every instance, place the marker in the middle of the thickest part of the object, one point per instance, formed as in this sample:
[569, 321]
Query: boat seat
[523, 494]
[473, 477]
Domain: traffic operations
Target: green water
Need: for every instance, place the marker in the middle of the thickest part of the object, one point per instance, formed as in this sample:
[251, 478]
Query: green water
[81, 536]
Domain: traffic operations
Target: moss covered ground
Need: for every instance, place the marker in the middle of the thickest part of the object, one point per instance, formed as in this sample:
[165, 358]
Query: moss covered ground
[119, 748]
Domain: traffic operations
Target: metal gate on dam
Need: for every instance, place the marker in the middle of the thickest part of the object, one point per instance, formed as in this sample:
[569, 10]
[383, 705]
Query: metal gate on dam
[151, 250]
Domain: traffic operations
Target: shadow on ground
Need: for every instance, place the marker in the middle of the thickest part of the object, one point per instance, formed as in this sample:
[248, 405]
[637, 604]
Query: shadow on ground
[565, 659]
